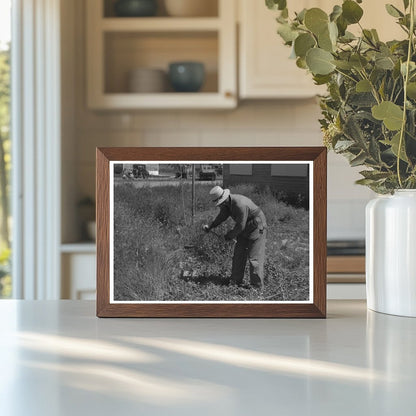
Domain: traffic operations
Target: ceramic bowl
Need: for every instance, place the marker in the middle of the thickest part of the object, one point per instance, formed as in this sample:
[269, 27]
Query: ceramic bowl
[147, 80]
[186, 76]
[135, 8]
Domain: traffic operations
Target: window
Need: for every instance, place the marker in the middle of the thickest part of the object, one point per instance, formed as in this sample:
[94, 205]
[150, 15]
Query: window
[290, 170]
[241, 169]
[5, 160]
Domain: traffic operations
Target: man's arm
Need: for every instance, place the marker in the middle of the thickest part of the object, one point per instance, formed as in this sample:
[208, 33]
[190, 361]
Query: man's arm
[221, 217]
[240, 223]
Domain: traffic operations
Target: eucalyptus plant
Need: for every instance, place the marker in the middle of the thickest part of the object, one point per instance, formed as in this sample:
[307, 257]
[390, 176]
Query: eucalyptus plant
[369, 111]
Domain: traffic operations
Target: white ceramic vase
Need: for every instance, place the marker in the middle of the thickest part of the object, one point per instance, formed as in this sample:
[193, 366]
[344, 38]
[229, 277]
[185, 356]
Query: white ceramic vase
[391, 253]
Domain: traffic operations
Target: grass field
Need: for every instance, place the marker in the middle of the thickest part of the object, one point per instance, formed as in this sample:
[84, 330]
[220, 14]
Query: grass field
[160, 254]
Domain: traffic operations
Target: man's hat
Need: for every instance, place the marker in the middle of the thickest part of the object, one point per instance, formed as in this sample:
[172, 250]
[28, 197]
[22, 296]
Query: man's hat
[219, 195]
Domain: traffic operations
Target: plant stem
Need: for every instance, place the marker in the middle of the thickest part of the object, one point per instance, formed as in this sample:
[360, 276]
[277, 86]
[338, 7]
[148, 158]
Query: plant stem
[392, 91]
[346, 75]
[406, 79]
[373, 88]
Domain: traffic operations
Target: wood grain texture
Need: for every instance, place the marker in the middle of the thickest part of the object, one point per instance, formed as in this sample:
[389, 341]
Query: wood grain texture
[319, 230]
[103, 231]
[317, 309]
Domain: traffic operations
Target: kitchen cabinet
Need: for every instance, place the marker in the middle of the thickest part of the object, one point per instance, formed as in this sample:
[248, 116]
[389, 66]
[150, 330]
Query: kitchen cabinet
[118, 45]
[78, 263]
[265, 69]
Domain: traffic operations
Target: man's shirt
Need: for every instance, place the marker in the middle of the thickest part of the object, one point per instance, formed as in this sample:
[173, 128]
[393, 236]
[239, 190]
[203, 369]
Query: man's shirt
[247, 215]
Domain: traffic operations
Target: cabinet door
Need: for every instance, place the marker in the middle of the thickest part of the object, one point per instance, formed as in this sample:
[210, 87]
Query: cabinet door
[266, 71]
[265, 68]
[78, 276]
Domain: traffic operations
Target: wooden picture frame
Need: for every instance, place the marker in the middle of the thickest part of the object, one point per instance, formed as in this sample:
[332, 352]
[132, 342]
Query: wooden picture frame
[313, 306]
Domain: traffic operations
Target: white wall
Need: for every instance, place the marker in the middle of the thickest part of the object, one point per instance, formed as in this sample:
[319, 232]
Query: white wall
[256, 123]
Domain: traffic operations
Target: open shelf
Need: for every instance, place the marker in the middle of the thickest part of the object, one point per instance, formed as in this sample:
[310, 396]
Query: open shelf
[119, 45]
[160, 24]
[87, 247]
[210, 7]
[127, 51]
[168, 100]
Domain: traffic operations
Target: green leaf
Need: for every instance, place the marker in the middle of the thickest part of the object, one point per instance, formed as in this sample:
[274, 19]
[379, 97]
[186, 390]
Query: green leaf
[384, 62]
[368, 36]
[374, 150]
[301, 15]
[325, 42]
[375, 35]
[412, 67]
[365, 182]
[351, 11]
[321, 79]
[388, 112]
[344, 65]
[287, 33]
[334, 91]
[362, 99]
[333, 32]
[411, 90]
[276, 4]
[301, 63]
[363, 86]
[358, 61]
[271, 4]
[281, 19]
[382, 89]
[342, 25]
[374, 174]
[359, 160]
[385, 50]
[406, 4]
[394, 144]
[405, 21]
[379, 187]
[282, 4]
[343, 145]
[316, 20]
[347, 37]
[353, 131]
[393, 11]
[336, 12]
[303, 43]
[319, 61]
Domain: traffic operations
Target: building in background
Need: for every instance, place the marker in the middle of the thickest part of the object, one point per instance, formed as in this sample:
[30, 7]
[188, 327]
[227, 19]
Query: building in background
[281, 177]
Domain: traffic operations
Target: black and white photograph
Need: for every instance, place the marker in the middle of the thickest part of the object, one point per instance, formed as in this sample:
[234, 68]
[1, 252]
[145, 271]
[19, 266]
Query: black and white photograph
[210, 232]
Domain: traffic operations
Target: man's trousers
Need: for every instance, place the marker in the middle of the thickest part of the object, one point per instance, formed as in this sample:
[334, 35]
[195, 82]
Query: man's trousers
[253, 250]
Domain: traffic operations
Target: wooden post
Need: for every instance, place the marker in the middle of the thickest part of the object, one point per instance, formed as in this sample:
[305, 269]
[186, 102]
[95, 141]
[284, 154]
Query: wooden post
[193, 192]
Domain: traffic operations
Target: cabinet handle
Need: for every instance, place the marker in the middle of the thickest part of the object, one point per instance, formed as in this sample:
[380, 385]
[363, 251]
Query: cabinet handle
[229, 94]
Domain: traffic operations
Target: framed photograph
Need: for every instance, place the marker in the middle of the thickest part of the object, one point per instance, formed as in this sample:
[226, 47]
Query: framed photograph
[211, 232]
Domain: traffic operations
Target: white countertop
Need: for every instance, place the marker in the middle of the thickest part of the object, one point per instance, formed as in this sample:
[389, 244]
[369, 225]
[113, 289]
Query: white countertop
[57, 358]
